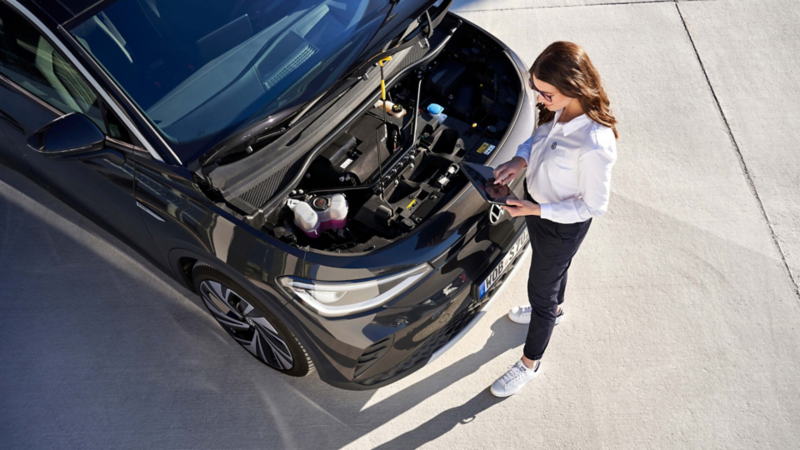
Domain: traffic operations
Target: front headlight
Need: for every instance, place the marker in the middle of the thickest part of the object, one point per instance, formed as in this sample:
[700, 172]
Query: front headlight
[336, 299]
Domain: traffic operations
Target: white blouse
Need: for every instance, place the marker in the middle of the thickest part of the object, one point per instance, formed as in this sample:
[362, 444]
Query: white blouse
[569, 168]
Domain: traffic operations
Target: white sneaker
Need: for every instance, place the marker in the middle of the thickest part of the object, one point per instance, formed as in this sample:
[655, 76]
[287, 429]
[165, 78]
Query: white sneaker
[522, 314]
[517, 376]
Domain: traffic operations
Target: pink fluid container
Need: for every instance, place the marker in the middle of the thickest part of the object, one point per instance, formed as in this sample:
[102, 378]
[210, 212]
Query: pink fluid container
[323, 213]
[331, 210]
[338, 211]
[322, 206]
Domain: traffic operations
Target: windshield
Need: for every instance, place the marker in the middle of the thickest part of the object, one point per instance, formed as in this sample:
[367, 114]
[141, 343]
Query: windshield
[200, 69]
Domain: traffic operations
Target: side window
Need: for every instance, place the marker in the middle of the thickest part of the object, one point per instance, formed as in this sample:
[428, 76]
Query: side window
[28, 59]
[116, 129]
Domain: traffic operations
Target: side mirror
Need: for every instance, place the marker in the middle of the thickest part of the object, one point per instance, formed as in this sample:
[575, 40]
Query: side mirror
[73, 136]
[70, 135]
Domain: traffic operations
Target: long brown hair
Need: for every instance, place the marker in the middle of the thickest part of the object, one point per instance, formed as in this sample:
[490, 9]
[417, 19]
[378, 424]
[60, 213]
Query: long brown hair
[567, 67]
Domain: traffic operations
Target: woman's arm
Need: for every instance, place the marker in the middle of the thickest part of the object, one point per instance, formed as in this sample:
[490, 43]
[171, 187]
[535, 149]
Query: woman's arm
[524, 149]
[505, 173]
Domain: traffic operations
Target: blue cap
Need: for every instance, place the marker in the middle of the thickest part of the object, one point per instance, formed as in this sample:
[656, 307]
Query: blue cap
[434, 108]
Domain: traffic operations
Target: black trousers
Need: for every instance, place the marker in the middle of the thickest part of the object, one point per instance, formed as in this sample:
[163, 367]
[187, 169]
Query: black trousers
[554, 245]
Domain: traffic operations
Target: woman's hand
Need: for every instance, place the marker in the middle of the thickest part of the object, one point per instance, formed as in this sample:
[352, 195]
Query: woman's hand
[506, 172]
[518, 208]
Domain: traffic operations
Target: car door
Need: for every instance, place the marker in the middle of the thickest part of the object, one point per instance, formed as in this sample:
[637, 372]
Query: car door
[38, 84]
[9, 154]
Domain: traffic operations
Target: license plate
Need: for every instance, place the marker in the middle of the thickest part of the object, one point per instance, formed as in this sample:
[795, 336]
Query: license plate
[497, 273]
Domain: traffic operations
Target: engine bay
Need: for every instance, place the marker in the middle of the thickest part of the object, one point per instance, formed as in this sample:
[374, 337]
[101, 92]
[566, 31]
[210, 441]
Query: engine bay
[393, 173]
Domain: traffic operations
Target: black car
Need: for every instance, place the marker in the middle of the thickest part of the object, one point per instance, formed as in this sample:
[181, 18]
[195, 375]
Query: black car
[245, 148]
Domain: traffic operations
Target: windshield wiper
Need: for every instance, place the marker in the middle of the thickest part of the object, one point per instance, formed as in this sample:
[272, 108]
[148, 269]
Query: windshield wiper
[338, 89]
[354, 77]
[407, 41]
[243, 140]
[359, 72]
[270, 128]
[278, 124]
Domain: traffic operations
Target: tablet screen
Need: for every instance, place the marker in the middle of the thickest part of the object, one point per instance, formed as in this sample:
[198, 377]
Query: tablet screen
[482, 177]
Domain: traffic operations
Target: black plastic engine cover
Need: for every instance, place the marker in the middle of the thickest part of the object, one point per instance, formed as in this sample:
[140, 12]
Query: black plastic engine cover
[444, 78]
[341, 153]
[370, 134]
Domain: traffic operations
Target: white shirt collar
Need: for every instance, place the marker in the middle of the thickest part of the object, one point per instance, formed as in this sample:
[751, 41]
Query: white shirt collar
[574, 124]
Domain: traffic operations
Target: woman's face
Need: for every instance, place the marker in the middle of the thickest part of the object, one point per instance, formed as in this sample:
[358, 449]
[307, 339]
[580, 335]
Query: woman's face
[549, 96]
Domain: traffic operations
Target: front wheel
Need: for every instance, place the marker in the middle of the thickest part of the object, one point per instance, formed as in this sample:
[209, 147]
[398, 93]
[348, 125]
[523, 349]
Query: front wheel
[253, 327]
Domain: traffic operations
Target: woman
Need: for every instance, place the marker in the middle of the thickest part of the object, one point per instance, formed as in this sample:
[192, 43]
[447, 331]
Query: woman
[568, 182]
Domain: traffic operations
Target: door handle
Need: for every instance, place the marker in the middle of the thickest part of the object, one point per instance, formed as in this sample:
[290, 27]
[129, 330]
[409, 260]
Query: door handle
[149, 211]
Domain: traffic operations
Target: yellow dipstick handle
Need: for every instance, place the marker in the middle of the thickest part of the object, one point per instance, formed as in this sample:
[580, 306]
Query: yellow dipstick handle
[383, 83]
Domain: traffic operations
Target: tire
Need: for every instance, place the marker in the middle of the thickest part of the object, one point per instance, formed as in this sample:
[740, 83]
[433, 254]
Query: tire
[250, 323]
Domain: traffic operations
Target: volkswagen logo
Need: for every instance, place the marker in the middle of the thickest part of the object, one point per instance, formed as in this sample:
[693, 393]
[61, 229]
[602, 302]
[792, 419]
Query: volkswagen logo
[496, 214]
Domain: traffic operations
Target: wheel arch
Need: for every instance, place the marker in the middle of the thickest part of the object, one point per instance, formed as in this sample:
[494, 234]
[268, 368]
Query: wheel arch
[182, 260]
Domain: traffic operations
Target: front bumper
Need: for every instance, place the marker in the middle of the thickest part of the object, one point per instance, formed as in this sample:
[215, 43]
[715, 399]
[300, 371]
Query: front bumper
[473, 308]
[380, 347]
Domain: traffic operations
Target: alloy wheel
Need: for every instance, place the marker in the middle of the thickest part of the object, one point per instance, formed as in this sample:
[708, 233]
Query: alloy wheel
[246, 325]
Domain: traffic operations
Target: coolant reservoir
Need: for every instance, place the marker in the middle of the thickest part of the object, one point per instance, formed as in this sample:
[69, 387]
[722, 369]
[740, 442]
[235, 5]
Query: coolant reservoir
[338, 211]
[331, 211]
[391, 108]
[322, 206]
[305, 217]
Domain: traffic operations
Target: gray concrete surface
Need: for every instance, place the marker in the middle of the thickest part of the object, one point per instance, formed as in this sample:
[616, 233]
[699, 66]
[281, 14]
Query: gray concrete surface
[752, 66]
[682, 312]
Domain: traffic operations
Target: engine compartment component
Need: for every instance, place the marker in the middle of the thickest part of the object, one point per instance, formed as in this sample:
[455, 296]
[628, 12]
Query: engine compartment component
[305, 218]
[445, 77]
[395, 109]
[354, 155]
[318, 214]
[398, 173]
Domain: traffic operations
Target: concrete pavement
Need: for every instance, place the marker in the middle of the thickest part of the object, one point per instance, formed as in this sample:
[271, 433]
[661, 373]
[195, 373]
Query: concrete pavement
[682, 309]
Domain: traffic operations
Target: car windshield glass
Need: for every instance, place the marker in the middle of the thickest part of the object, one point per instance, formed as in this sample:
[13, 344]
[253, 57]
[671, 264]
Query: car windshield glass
[201, 69]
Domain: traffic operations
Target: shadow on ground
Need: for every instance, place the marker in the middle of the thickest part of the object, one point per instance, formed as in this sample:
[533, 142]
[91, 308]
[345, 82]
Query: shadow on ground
[100, 349]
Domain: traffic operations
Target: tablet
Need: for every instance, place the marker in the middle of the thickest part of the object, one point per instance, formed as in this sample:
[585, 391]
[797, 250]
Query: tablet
[482, 177]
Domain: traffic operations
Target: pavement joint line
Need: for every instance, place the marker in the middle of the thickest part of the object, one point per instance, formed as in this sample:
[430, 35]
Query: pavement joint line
[740, 157]
[522, 8]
